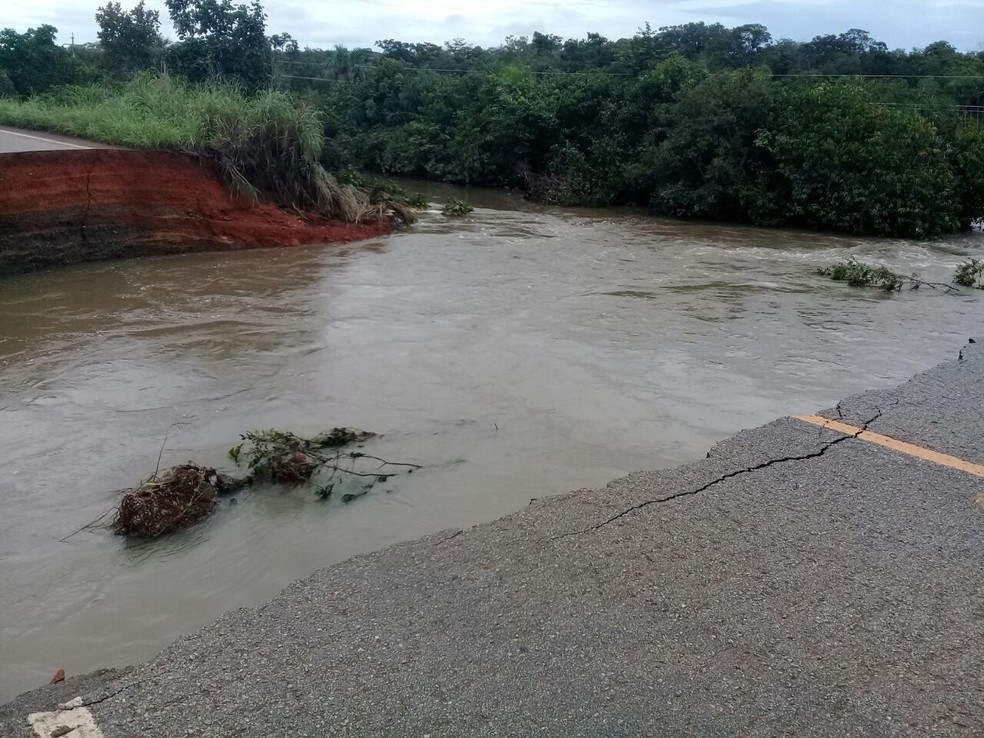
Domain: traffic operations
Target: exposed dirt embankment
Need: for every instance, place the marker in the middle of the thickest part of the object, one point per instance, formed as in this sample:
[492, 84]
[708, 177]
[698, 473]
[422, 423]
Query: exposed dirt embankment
[62, 207]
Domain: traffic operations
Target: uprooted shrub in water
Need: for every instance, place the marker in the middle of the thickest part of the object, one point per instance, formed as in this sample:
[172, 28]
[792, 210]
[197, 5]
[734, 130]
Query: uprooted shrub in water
[285, 458]
[278, 456]
[172, 500]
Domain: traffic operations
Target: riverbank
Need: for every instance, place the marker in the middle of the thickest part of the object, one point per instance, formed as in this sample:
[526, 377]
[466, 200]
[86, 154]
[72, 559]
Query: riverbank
[64, 207]
[801, 580]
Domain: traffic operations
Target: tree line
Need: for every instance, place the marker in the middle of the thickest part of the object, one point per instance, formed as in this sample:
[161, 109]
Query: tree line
[698, 120]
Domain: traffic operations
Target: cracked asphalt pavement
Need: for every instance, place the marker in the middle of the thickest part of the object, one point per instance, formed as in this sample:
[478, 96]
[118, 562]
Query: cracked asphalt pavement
[797, 582]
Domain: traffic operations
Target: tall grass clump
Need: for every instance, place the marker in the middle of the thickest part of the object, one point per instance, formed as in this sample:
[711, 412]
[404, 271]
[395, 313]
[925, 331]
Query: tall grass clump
[266, 145]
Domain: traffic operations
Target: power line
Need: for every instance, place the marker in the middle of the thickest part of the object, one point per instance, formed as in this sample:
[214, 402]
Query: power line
[313, 79]
[916, 106]
[599, 72]
[886, 76]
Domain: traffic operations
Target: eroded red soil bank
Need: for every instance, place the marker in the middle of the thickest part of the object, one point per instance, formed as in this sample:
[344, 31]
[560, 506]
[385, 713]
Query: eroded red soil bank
[62, 207]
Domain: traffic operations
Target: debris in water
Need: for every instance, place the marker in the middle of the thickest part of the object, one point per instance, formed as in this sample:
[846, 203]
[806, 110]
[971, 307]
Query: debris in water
[176, 498]
[187, 493]
[279, 456]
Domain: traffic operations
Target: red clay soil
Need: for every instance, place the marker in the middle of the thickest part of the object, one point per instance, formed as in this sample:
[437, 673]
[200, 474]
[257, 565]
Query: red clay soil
[61, 207]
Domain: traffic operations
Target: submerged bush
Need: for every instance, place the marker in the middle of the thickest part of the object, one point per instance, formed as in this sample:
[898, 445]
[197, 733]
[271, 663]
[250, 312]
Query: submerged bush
[386, 192]
[280, 456]
[456, 208]
[859, 274]
[970, 274]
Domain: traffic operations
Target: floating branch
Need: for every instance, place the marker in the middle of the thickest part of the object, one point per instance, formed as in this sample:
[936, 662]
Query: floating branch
[859, 274]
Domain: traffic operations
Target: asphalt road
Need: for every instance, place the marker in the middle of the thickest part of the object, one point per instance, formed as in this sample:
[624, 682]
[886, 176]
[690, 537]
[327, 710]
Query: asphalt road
[13, 140]
[797, 582]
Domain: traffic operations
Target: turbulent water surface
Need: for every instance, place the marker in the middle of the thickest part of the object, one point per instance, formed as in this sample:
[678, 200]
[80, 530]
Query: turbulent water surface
[514, 354]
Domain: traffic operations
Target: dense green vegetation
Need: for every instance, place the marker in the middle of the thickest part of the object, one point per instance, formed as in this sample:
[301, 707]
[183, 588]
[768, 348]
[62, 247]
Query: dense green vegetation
[154, 112]
[684, 124]
[697, 121]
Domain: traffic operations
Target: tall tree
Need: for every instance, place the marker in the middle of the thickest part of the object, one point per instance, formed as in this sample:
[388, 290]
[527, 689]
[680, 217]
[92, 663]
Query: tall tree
[32, 61]
[220, 40]
[841, 160]
[130, 39]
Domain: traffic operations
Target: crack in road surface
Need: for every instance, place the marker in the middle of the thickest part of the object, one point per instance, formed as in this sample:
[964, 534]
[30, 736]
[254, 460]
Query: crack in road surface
[109, 696]
[724, 478]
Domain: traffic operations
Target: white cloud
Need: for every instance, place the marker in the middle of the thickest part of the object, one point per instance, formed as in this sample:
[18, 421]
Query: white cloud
[903, 23]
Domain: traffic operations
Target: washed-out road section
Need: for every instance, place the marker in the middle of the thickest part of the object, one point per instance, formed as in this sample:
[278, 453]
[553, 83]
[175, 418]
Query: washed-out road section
[799, 581]
[74, 202]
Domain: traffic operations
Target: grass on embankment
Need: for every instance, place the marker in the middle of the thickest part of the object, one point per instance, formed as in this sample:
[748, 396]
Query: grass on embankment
[266, 144]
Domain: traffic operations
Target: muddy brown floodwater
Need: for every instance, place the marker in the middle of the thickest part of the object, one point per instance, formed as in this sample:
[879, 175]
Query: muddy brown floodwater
[518, 353]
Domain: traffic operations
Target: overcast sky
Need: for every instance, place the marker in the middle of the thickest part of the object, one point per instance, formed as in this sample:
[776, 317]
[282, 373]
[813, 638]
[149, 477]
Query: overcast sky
[317, 23]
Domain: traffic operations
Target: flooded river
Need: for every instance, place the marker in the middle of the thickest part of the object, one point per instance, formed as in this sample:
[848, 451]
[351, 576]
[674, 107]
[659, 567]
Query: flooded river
[518, 353]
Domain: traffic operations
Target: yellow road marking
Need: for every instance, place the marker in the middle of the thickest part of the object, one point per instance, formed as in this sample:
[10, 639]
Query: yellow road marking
[888, 442]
